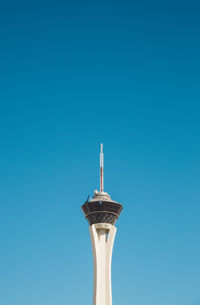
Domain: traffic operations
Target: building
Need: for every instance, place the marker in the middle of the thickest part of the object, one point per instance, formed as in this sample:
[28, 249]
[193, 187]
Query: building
[102, 213]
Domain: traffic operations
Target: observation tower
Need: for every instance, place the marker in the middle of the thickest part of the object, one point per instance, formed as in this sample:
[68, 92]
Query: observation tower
[102, 213]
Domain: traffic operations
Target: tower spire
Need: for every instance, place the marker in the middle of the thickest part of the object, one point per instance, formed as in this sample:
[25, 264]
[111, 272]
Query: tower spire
[101, 169]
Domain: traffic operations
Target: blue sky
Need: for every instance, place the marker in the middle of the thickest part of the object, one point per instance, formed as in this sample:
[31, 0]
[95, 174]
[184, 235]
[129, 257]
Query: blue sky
[74, 74]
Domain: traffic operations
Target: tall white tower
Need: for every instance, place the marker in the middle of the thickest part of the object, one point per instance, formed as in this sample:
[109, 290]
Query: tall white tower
[102, 213]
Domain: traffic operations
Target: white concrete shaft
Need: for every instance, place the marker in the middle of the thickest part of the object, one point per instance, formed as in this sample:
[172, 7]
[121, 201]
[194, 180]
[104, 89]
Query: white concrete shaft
[102, 237]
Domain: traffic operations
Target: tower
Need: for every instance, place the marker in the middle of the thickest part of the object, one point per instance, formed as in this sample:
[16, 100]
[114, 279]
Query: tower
[102, 213]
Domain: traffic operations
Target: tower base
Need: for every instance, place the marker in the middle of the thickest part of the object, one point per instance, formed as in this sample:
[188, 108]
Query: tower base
[102, 237]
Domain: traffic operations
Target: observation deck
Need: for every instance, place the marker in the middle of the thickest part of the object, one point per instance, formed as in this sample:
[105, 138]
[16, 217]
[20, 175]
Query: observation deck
[101, 209]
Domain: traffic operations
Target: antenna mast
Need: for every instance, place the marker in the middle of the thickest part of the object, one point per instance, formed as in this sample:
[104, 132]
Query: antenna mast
[101, 168]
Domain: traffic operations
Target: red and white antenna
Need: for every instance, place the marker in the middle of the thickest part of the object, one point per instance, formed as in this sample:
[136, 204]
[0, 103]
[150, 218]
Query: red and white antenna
[101, 168]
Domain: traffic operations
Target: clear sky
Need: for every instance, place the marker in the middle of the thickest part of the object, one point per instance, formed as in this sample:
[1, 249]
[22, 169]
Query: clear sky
[73, 74]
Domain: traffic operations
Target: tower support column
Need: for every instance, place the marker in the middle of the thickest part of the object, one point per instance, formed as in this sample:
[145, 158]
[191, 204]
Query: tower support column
[102, 237]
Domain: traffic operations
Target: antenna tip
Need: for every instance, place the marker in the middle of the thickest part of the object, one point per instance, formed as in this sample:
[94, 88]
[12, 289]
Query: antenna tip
[101, 147]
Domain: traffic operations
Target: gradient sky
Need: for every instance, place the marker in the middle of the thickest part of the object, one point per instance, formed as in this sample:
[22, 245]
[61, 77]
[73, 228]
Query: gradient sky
[73, 74]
